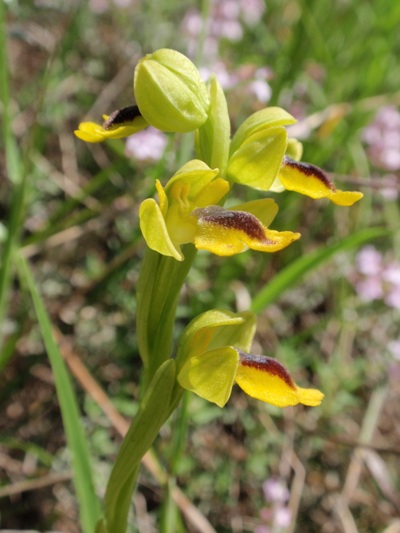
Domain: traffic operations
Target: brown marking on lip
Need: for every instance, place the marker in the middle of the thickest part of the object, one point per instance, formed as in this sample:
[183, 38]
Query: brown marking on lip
[310, 170]
[237, 220]
[266, 364]
[120, 116]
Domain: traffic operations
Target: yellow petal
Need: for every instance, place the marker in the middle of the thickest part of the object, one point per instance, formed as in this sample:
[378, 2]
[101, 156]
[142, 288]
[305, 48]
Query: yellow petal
[312, 181]
[162, 198]
[227, 232]
[267, 380]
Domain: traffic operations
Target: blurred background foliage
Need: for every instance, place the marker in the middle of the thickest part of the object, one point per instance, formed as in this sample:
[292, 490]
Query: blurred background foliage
[249, 467]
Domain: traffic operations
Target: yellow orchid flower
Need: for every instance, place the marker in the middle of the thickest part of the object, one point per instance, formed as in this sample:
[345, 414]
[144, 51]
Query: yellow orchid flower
[188, 212]
[211, 359]
[263, 158]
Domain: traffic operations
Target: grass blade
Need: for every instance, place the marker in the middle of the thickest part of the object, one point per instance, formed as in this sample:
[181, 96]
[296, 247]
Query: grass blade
[293, 273]
[77, 445]
[14, 174]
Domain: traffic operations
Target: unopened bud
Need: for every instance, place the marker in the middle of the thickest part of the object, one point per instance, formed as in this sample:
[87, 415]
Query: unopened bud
[170, 92]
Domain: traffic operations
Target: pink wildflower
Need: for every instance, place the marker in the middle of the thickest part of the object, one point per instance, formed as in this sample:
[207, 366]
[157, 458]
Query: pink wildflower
[146, 145]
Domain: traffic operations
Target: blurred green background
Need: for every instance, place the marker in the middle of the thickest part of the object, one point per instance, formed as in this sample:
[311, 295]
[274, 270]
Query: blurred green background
[334, 66]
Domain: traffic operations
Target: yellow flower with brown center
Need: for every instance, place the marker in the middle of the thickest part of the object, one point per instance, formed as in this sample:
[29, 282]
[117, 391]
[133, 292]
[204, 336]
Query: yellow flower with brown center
[213, 356]
[188, 212]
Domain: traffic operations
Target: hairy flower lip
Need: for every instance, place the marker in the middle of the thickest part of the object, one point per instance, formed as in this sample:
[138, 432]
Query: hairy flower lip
[310, 170]
[122, 116]
[312, 181]
[234, 220]
[266, 379]
[265, 363]
[115, 126]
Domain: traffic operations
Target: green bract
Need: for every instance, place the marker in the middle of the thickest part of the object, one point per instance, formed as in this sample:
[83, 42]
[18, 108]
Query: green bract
[213, 138]
[170, 92]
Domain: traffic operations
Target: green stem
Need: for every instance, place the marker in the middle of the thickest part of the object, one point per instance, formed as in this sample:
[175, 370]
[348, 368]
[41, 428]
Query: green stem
[161, 398]
[158, 289]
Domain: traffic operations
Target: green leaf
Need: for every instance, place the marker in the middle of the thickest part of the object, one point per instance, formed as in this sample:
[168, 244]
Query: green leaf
[293, 273]
[76, 441]
[157, 291]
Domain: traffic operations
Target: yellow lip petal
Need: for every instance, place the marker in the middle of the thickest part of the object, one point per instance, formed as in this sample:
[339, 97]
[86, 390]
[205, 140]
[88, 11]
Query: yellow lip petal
[90, 132]
[227, 232]
[94, 133]
[267, 380]
[310, 180]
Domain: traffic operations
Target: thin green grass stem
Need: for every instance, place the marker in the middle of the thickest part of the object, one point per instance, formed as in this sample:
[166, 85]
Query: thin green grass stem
[15, 176]
[77, 444]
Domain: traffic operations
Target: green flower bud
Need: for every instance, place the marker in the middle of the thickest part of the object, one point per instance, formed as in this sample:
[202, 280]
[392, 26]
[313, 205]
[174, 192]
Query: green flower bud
[170, 92]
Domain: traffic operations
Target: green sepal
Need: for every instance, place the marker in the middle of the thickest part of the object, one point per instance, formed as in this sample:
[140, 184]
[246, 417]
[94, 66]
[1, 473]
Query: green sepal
[215, 329]
[211, 375]
[257, 161]
[195, 173]
[267, 118]
[213, 137]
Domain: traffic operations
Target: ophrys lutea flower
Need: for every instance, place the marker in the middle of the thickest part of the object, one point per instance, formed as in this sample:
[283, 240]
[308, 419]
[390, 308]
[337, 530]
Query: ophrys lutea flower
[213, 356]
[262, 157]
[188, 211]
